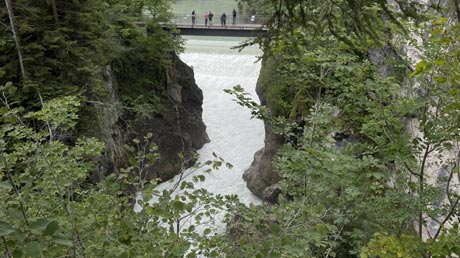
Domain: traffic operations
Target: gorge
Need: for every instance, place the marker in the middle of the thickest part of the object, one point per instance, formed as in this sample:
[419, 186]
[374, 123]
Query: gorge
[356, 153]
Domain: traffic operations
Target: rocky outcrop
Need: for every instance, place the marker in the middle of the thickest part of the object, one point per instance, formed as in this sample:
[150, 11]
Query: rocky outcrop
[178, 130]
[260, 177]
[109, 128]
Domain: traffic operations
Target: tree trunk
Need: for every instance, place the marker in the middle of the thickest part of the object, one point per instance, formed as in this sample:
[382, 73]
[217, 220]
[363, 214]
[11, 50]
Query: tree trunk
[9, 8]
[457, 10]
[55, 13]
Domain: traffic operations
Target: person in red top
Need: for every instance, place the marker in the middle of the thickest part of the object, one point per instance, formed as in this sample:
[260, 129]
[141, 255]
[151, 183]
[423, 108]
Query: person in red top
[205, 16]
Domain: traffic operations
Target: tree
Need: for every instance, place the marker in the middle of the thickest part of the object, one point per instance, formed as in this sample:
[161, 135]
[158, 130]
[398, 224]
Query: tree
[9, 8]
[51, 209]
[374, 173]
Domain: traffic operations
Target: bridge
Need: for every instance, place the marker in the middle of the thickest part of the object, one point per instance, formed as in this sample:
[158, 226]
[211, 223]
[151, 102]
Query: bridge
[245, 25]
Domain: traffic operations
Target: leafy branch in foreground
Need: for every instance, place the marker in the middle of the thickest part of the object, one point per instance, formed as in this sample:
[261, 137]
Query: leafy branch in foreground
[51, 209]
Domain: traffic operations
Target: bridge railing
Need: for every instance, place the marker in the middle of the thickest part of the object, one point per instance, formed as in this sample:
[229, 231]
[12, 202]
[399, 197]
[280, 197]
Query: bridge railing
[240, 19]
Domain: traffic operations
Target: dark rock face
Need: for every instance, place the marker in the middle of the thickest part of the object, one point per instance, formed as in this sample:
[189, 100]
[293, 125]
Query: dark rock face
[179, 127]
[260, 177]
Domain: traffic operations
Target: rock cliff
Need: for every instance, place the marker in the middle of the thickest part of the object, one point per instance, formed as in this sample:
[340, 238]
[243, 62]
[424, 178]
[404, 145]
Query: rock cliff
[177, 128]
[261, 179]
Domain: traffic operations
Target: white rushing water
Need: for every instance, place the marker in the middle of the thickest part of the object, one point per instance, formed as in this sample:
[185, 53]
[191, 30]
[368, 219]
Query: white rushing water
[234, 135]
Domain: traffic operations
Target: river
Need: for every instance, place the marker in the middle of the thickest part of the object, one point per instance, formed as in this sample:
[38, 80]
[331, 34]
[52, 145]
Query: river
[234, 136]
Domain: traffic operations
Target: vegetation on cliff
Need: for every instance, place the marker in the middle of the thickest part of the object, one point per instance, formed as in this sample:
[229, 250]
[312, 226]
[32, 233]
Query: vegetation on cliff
[56, 199]
[370, 164]
[355, 180]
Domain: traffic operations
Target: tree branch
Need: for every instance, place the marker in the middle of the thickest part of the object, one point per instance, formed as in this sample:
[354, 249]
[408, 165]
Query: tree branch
[14, 186]
[451, 212]
[7, 250]
[410, 170]
[421, 188]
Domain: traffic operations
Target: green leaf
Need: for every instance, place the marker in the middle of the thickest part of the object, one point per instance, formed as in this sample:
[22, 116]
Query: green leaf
[33, 249]
[18, 236]
[62, 241]
[39, 225]
[17, 253]
[11, 90]
[275, 228]
[421, 67]
[5, 228]
[440, 79]
[4, 185]
[132, 161]
[178, 205]
[15, 214]
[51, 228]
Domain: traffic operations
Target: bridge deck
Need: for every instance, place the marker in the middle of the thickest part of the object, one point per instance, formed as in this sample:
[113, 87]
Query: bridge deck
[237, 30]
[218, 26]
[246, 26]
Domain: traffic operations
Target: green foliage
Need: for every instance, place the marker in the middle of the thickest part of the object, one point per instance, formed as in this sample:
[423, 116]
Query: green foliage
[259, 7]
[386, 246]
[51, 209]
[59, 113]
[345, 190]
[359, 24]
[67, 53]
[141, 68]
[353, 183]
[447, 244]
[141, 157]
[345, 122]
[287, 229]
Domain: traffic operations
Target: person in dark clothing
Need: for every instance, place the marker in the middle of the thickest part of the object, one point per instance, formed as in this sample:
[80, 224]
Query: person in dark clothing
[193, 17]
[223, 19]
[210, 18]
[234, 16]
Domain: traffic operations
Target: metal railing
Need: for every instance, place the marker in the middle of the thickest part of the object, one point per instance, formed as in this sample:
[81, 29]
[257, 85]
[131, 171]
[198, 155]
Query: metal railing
[240, 19]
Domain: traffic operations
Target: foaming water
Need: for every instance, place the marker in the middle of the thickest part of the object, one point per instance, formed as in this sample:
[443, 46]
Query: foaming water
[234, 135]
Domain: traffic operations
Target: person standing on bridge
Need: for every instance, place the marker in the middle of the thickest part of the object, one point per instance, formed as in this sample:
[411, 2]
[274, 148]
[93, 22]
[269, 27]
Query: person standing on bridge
[223, 19]
[193, 17]
[210, 17]
[234, 16]
[205, 16]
